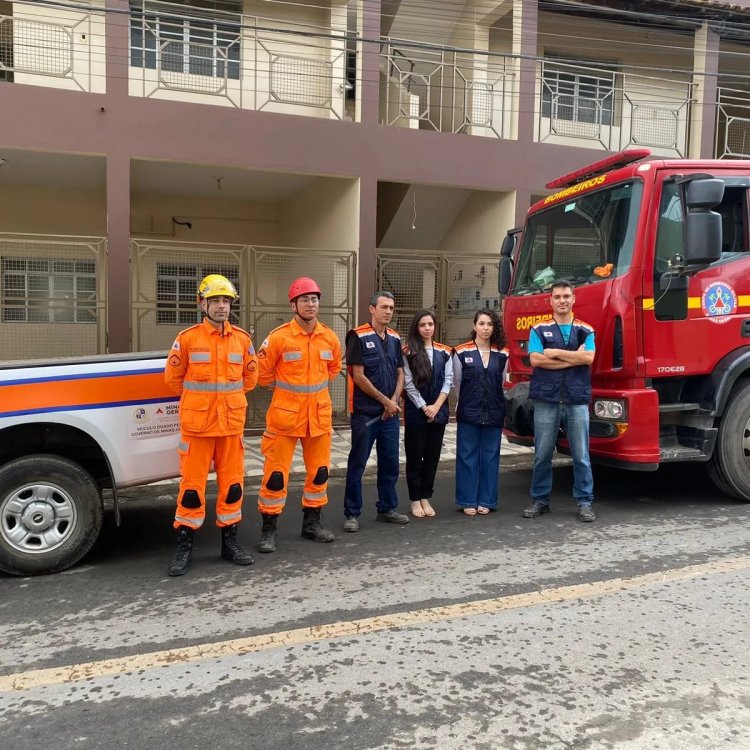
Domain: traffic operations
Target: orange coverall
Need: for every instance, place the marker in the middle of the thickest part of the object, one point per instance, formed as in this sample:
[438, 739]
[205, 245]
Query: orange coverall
[298, 365]
[211, 372]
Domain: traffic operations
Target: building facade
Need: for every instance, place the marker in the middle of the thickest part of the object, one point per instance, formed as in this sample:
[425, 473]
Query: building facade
[369, 144]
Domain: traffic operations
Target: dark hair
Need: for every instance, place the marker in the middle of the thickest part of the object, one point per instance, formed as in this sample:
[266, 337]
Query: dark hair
[498, 335]
[375, 297]
[560, 284]
[419, 364]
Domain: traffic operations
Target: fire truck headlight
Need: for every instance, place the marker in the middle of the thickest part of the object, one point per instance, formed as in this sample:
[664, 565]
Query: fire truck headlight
[609, 409]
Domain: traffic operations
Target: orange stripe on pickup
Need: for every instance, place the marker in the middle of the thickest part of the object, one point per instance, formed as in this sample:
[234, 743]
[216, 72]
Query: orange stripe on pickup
[58, 394]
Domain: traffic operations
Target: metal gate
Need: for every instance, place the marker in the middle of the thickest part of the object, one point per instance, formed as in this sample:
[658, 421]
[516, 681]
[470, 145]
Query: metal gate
[165, 276]
[52, 295]
[452, 287]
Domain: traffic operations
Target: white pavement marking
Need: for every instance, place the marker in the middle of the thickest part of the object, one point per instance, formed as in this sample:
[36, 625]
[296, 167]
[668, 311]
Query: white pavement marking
[349, 628]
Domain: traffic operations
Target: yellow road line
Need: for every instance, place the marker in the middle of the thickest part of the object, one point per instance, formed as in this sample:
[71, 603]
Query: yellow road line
[351, 628]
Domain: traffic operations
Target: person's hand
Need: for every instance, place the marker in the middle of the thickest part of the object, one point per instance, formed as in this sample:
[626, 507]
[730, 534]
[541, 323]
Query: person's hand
[391, 408]
[430, 412]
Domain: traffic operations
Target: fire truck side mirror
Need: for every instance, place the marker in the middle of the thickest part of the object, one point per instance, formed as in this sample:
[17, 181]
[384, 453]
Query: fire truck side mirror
[506, 261]
[702, 225]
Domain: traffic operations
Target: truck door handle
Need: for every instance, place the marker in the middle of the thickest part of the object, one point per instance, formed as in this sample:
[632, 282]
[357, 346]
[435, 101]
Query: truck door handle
[746, 329]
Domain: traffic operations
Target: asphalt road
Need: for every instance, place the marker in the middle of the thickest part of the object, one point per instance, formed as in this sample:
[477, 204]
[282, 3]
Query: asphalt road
[453, 632]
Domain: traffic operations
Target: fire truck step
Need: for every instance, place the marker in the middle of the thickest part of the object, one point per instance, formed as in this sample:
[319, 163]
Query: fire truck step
[681, 453]
[678, 407]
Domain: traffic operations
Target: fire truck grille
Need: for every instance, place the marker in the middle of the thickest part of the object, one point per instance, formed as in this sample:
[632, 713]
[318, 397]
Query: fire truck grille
[601, 429]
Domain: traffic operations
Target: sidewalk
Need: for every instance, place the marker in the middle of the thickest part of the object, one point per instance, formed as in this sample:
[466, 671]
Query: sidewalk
[340, 445]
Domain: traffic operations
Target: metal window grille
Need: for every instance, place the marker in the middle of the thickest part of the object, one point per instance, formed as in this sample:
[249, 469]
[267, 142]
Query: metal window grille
[48, 290]
[301, 80]
[176, 285]
[575, 97]
[28, 46]
[188, 46]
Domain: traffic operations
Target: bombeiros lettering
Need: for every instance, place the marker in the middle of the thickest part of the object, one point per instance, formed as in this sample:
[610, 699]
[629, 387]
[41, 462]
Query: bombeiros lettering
[575, 189]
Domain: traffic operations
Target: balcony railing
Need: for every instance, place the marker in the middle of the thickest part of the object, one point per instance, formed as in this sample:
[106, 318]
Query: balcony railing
[732, 124]
[444, 90]
[32, 48]
[613, 109]
[249, 62]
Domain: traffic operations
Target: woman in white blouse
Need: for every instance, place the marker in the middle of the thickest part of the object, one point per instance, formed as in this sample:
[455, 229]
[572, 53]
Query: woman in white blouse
[428, 376]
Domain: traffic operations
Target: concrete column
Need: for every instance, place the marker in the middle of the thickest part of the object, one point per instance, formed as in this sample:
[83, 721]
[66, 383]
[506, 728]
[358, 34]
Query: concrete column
[705, 75]
[368, 203]
[525, 46]
[117, 35]
[118, 181]
[368, 63]
[119, 314]
[523, 201]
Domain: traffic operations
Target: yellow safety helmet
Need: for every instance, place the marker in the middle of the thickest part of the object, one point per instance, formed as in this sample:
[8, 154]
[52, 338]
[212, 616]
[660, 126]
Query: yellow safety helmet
[216, 285]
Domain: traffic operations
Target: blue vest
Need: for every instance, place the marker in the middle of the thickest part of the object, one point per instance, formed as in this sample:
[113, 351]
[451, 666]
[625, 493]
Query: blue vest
[481, 399]
[571, 385]
[380, 367]
[431, 390]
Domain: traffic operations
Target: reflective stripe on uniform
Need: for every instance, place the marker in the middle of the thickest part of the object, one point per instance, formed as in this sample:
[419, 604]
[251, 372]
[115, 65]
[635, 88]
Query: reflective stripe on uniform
[326, 355]
[314, 495]
[226, 517]
[193, 523]
[235, 357]
[183, 445]
[193, 385]
[291, 356]
[200, 356]
[270, 502]
[295, 388]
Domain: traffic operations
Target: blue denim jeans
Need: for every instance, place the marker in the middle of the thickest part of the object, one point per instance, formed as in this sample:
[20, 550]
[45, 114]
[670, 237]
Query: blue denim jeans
[548, 418]
[477, 465]
[386, 433]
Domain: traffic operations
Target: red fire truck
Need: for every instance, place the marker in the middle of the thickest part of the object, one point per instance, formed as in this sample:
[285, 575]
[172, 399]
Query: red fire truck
[658, 253]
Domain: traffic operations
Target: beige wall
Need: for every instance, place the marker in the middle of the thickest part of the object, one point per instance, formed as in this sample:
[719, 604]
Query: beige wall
[481, 224]
[46, 210]
[212, 219]
[325, 214]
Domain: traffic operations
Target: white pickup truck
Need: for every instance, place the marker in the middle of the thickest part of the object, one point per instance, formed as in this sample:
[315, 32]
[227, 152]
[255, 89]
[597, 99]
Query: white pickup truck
[68, 429]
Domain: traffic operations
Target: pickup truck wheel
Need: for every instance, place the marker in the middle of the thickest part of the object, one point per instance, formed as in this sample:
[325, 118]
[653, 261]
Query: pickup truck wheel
[50, 514]
[729, 467]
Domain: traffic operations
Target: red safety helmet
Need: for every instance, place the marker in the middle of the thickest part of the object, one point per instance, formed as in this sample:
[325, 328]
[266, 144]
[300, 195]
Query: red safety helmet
[303, 285]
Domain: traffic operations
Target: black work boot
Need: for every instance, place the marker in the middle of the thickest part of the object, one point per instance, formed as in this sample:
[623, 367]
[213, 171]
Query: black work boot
[183, 553]
[231, 550]
[267, 541]
[312, 528]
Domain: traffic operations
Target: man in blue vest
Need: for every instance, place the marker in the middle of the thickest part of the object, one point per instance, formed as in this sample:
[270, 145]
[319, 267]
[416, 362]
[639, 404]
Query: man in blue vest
[376, 379]
[561, 352]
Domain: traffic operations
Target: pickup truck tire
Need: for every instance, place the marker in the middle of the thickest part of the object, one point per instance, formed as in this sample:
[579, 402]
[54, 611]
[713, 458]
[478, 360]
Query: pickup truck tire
[50, 514]
[729, 467]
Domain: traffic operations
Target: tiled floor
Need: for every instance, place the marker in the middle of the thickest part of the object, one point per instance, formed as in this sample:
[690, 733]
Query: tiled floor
[340, 450]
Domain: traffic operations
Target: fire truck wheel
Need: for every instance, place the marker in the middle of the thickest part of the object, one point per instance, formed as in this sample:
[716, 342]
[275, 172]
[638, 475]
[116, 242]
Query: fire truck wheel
[50, 514]
[729, 467]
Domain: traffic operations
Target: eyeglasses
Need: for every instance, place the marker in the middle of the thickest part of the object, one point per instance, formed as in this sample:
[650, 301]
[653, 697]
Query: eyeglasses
[308, 300]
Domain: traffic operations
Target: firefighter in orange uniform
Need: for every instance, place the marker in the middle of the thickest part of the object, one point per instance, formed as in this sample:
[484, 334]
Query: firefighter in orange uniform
[297, 360]
[211, 366]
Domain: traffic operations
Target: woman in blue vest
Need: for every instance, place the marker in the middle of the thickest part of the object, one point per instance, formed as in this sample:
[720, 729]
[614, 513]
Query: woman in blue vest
[478, 371]
[428, 376]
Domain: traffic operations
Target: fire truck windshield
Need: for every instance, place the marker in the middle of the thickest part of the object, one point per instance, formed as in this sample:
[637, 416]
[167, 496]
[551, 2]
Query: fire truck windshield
[584, 240]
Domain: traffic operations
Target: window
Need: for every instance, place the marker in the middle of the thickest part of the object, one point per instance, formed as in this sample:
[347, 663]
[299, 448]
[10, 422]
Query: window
[205, 44]
[585, 240]
[48, 290]
[578, 92]
[176, 286]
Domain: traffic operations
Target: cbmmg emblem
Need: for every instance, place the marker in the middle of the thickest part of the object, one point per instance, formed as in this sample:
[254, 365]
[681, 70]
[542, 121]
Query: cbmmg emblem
[718, 302]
